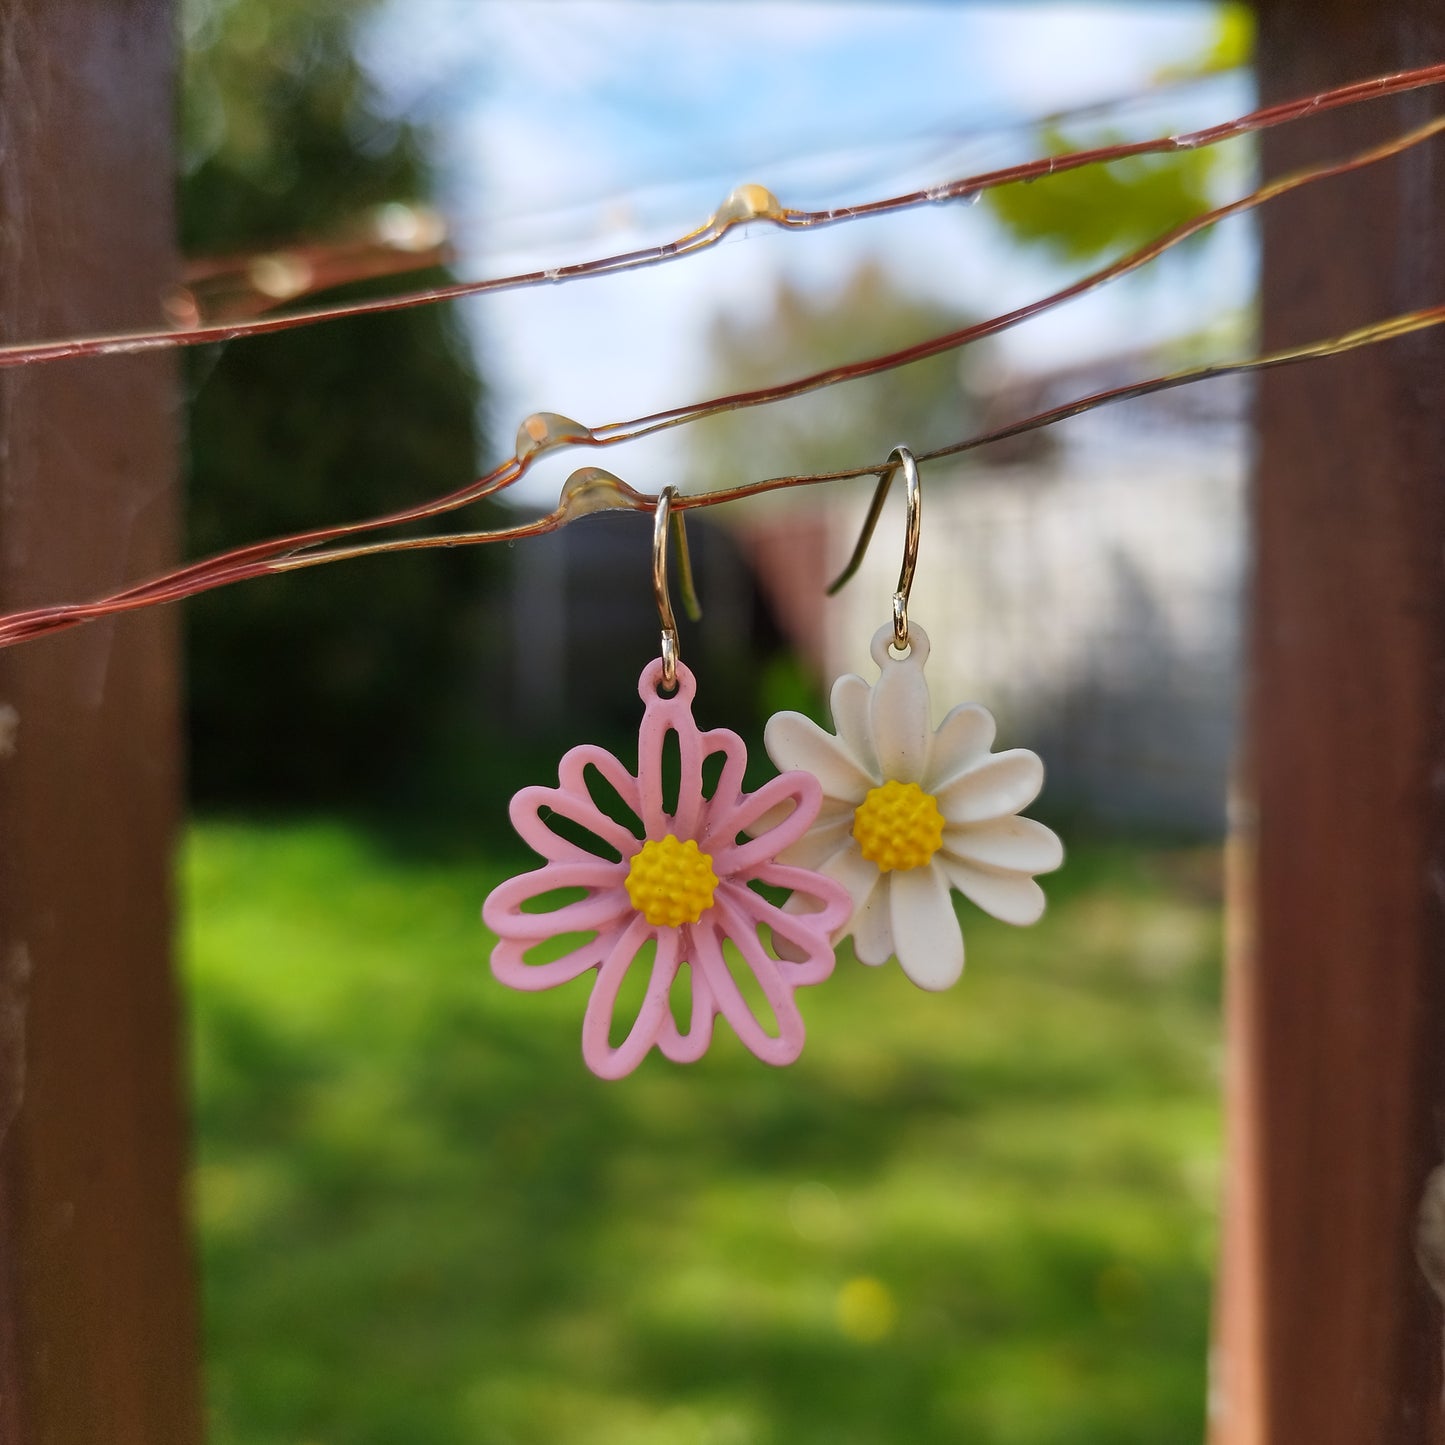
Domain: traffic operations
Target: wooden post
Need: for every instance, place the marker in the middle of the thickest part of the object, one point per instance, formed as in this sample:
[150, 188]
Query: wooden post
[1328, 1333]
[98, 1329]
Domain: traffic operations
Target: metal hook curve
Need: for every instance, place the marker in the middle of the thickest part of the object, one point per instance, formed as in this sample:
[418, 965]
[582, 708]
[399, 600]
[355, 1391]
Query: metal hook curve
[660, 519]
[912, 534]
[913, 531]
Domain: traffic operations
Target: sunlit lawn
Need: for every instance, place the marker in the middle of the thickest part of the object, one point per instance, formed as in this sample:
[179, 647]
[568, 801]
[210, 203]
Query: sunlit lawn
[983, 1217]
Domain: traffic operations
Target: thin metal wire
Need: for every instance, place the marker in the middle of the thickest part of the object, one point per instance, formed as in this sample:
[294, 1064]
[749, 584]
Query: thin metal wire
[23, 626]
[27, 353]
[302, 549]
[305, 549]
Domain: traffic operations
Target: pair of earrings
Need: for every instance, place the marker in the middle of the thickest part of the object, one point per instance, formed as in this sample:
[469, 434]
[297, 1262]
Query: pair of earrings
[868, 830]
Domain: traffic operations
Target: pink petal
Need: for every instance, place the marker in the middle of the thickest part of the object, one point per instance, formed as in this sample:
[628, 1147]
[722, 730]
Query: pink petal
[802, 933]
[607, 900]
[597, 1051]
[731, 858]
[729, 789]
[674, 715]
[730, 1001]
[572, 774]
[834, 810]
[509, 964]
[689, 1047]
[526, 813]
[824, 902]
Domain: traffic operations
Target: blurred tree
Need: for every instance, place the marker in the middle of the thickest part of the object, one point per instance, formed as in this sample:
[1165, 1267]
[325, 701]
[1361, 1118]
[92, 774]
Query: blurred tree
[927, 404]
[325, 684]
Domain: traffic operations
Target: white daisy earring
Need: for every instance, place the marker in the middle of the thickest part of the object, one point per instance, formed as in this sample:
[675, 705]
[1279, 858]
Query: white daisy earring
[911, 814]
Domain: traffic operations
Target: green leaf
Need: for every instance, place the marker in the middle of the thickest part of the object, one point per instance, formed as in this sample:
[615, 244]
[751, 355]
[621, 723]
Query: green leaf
[1110, 208]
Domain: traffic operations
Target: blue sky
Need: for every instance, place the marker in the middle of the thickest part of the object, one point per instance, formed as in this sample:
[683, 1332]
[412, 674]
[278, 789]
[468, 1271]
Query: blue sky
[570, 128]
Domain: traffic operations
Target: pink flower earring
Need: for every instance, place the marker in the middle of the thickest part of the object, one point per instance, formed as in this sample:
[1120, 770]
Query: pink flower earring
[671, 891]
[910, 813]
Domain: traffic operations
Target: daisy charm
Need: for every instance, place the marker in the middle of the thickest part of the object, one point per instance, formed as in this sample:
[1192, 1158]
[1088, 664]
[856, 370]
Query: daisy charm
[667, 889]
[910, 814]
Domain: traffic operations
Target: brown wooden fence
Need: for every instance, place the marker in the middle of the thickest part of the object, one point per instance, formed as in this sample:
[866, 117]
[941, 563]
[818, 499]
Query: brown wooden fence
[1328, 1334]
[98, 1331]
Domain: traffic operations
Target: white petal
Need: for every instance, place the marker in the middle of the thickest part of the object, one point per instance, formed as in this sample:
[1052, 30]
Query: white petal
[926, 934]
[898, 711]
[1010, 897]
[849, 705]
[850, 868]
[794, 741]
[1014, 843]
[872, 926]
[961, 742]
[1004, 784]
[819, 843]
[868, 890]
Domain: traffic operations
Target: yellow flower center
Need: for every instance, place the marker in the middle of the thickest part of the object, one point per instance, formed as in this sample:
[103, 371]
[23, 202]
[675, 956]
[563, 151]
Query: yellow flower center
[670, 883]
[898, 826]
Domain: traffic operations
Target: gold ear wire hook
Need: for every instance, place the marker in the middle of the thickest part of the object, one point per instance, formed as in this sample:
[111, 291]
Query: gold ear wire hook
[898, 457]
[660, 519]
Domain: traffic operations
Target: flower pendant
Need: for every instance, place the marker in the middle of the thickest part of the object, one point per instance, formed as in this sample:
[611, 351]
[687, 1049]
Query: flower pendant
[909, 814]
[670, 890]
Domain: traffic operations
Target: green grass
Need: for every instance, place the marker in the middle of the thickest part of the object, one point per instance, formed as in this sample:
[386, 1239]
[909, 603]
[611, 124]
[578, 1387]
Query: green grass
[986, 1216]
